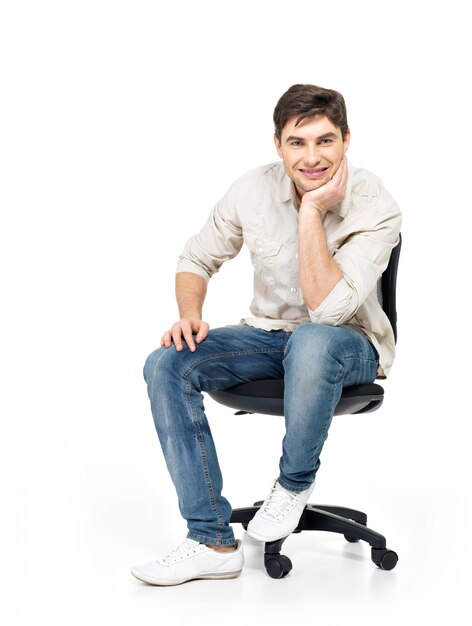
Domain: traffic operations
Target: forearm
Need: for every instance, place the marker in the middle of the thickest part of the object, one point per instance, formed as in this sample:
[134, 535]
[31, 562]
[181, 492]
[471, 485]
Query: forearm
[190, 291]
[319, 274]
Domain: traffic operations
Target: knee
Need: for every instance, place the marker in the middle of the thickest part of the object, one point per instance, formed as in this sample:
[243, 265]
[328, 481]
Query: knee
[310, 340]
[152, 364]
[165, 364]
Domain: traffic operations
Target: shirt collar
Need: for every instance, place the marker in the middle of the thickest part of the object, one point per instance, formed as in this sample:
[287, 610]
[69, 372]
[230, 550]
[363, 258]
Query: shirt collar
[287, 193]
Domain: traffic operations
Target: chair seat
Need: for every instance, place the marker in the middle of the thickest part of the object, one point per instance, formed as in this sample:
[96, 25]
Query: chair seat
[267, 397]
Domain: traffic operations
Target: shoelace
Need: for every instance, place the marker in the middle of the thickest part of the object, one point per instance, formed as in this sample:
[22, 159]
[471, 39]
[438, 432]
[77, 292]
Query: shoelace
[279, 503]
[184, 549]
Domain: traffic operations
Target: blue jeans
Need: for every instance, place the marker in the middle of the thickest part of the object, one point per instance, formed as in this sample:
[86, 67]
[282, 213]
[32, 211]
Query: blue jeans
[315, 360]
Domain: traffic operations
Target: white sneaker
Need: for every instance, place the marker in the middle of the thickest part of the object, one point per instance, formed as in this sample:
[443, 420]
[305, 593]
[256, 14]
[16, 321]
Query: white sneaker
[191, 560]
[279, 514]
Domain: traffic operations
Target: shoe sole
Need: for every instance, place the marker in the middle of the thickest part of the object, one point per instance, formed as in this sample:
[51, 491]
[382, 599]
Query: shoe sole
[267, 539]
[170, 583]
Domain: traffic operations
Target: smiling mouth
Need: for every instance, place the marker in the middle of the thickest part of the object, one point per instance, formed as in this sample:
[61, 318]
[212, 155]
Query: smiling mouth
[314, 173]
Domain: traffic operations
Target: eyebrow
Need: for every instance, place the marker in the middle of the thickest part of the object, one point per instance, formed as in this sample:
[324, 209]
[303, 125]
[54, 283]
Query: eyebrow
[329, 135]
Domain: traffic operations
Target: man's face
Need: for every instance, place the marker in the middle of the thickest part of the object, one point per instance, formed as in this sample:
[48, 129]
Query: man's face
[311, 151]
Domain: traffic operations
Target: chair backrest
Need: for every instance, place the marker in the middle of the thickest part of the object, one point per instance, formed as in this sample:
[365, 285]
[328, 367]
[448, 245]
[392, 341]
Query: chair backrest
[388, 287]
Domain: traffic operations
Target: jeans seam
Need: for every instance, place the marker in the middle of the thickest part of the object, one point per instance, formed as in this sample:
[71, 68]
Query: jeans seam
[151, 390]
[364, 360]
[206, 473]
[338, 379]
[211, 357]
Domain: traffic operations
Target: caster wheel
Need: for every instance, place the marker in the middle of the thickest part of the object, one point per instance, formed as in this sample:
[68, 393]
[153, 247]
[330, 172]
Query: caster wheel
[278, 566]
[385, 559]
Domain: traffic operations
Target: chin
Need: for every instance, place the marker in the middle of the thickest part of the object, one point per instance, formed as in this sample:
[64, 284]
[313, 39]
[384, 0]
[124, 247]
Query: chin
[318, 184]
[312, 185]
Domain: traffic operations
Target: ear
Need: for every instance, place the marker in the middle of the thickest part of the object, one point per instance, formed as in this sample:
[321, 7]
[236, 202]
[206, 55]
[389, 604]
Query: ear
[347, 139]
[278, 146]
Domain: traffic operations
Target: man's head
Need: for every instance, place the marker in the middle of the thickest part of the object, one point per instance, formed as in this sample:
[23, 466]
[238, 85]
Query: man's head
[311, 134]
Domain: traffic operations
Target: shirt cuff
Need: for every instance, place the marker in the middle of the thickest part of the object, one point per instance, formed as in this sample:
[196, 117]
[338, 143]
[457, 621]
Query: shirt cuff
[336, 308]
[184, 265]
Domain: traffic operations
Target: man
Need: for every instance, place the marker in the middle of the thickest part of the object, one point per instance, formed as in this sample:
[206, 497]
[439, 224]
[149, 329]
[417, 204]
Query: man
[320, 233]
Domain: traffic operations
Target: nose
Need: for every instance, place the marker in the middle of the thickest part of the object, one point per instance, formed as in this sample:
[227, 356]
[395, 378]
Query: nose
[311, 154]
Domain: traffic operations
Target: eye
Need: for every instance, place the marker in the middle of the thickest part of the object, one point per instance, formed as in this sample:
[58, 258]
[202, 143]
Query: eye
[296, 143]
[324, 142]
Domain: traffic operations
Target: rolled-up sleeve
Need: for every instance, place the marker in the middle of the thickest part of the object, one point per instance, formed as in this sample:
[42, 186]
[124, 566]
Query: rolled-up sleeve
[362, 259]
[219, 240]
[336, 307]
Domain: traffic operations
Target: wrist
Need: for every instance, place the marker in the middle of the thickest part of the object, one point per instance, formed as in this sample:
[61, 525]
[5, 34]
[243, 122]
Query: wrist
[311, 210]
[186, 315]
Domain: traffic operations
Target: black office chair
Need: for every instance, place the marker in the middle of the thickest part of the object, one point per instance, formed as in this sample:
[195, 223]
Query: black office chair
[267, 397]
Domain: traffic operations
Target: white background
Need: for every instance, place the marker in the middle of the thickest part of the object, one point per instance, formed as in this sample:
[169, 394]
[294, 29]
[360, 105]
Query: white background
[122, 123]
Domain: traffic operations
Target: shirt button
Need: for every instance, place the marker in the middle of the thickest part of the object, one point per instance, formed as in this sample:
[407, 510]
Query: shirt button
[259, 250]
[296, 256]
[293, 289]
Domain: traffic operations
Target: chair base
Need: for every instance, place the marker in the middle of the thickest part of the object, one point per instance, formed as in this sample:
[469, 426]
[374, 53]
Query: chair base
[349, 522]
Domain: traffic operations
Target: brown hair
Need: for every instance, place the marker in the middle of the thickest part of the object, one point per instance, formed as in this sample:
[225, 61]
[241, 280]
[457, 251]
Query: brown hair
[308, 100]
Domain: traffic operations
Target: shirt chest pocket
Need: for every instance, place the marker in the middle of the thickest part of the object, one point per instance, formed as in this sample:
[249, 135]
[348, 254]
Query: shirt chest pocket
[265, 257]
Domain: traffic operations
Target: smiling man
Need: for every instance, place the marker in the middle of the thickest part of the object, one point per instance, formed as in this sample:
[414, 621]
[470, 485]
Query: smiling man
[320, 233]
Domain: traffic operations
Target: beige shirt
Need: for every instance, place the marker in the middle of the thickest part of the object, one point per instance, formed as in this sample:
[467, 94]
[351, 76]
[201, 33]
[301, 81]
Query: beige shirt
[260, 209]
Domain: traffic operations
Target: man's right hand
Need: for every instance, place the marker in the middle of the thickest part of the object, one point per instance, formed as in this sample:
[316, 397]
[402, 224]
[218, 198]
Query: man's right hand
[185, 328]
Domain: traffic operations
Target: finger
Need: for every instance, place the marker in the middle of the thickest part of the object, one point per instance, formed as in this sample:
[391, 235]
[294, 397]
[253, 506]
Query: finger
[336, 178]
[345, 172]
[202, 332]
[177, 337]
[187, 333]
[166, 339]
